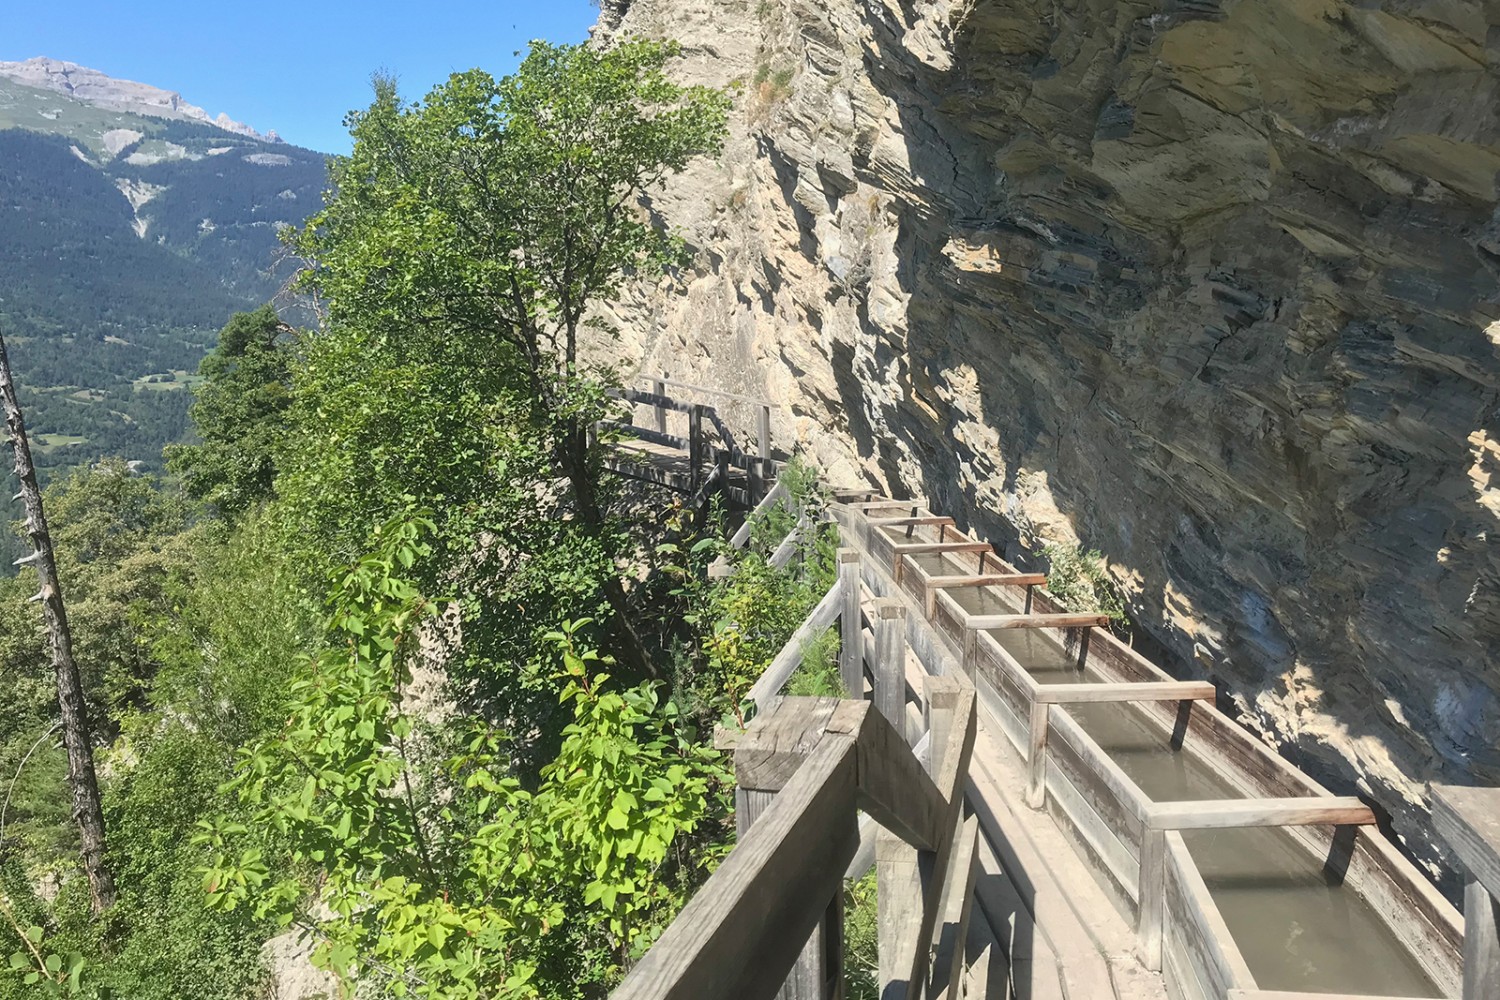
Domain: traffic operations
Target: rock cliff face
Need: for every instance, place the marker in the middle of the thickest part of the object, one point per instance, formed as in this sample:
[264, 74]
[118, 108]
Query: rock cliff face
[1209, 285]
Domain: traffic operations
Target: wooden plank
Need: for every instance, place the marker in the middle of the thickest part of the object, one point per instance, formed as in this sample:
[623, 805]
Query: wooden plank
[1224, 814]
[909, 522]
[894, 787]
[1118, 800]
[742, 537]
[1036, 756]
[788, 546]
[1068, 694]
[1036, 621]
[866, 505]
[1469, 820]
[776, 674]
[1151, 890]
[705, 390]
[909, 886]
[1285, 995]
[742, 931]
[890, 661]
[851, 630]
[927, 548]
[988, 580]
[955, 909]
[769, 753]
[1190, 909]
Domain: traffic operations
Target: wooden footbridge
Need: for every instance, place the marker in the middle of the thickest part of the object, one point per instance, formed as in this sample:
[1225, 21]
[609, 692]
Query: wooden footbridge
[1049, 816]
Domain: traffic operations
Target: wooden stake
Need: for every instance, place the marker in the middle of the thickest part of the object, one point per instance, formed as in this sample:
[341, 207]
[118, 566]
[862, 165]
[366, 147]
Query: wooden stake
[87, 812]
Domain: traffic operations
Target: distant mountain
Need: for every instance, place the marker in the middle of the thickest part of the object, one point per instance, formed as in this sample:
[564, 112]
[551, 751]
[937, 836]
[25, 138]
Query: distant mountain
[131, 227]
[93, 87]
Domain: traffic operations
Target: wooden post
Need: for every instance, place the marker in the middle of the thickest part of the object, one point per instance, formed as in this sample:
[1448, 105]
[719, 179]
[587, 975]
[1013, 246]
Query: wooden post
[83, 782]
[1469, 820]
[695, 448]
[1481, 944]
[890, 661]
[851, 628]
[659, 388]
[1036, 760]
[819, 972]
[1151, 897]
[763, 432]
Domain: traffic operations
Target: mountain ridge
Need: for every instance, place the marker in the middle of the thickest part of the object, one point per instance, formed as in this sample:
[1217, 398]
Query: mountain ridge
[99, 89]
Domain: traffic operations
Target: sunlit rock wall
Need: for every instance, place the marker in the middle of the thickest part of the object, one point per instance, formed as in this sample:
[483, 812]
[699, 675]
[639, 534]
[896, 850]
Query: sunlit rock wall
[1208, 286]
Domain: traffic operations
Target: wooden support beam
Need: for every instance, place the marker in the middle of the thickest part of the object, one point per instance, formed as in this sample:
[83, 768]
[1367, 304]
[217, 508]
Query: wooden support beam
[864, 505]
[851, 627]
[1072, 694]
[910, 522]
[955, 908]
[1227, 814]
[910, 886]
[742, 930]
[937, 583]
[788, 547]
[1469, 820]
[1036, 755]
[894, 788]
[890, 661]
[741, 538]
[1151, 902]
[659, 388]
[901, 549]
[985, 622]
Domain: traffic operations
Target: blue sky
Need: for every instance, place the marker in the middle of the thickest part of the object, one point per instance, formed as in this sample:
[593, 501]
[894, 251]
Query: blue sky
[293, 67]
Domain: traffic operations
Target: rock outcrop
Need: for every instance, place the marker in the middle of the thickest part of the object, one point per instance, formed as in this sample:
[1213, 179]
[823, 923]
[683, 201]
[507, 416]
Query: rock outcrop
[1208, 285]
[93, 87]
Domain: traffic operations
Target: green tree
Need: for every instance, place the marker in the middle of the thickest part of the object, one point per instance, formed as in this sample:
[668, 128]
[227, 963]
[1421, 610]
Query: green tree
[495, 213]
[239, 411]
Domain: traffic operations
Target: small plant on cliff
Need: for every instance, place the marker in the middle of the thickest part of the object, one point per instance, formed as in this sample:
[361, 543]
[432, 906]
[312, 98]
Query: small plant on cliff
[1079, 580]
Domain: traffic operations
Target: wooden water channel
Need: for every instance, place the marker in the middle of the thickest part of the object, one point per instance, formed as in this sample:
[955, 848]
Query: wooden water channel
[1236, 876]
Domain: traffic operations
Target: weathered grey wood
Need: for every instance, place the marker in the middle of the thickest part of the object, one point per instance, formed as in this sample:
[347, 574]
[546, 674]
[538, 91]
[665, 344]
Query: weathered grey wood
[742, 931]
[769, 753]
[1036, 621]
[741, 538]
[927, 548]
[820, 962]
[789, 545]
[890, 661]
[696, 453]
[1469, 820]
[1223, 814]
[1119, 801]
[1481, 943]
[1151, 890]
[930, 520]
[910, 885]
[868, 505]
[659, 388]
[1190, 910]
[776, 674]
[988, 580]
[1036, 755]
[851, 627]
[1068, 694]
[708, 391]
[1285, 995]
[894, 787]
[955, 908]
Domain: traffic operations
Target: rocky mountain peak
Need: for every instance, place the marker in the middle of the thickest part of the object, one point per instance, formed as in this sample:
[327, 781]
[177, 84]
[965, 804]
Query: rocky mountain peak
[101, 90]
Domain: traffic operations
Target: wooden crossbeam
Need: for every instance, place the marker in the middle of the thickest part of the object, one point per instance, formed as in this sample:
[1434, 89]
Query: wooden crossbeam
[1228, 814]
[742, 536]
[910, 522]
[780, 670]
[988, 580]
[986, 622]
[1072, 694]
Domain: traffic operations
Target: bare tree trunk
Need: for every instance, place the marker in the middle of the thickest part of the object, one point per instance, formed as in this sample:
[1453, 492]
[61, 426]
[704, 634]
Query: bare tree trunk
[87, 812]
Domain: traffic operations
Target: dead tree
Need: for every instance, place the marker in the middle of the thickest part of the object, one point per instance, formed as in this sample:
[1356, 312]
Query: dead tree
[87, 812]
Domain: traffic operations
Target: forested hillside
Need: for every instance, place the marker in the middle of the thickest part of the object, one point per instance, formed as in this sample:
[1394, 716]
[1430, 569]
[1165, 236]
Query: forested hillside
[121, 258]
[388, 662]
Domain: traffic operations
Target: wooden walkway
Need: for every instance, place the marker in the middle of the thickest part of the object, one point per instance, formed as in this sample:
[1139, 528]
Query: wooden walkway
[1014, 857]
[688, 446]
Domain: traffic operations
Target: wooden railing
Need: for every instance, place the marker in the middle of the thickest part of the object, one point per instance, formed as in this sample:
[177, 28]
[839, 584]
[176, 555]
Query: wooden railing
[770, 920]
[711, 447]
[1135, 839]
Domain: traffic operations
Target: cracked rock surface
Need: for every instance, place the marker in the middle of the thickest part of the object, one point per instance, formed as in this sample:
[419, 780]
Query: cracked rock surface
[1208, 285]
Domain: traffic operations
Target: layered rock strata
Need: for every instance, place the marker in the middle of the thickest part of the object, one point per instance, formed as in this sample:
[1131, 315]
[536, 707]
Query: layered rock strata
[1208, 285]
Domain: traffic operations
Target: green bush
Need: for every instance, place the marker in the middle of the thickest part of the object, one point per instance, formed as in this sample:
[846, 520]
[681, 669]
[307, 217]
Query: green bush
[1078, 579]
